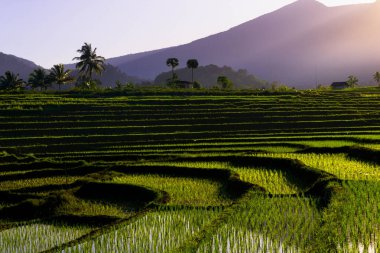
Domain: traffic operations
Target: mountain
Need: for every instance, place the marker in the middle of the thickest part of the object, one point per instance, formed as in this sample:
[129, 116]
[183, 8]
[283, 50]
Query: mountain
[112, 74]
[207, 76]
[302, 44]
[17, 65]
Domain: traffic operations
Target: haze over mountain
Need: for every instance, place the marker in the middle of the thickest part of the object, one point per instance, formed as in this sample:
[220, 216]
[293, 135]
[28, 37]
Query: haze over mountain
[17, 65]
[109, 76]
[302, 44]
[207, 77]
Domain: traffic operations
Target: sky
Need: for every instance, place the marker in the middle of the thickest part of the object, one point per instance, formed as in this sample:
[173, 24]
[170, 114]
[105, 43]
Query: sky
[49, 32]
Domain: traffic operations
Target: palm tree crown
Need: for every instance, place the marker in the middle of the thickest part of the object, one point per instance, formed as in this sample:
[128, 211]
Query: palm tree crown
[172, 62]
[89, 62]
[352, 81]
[10, 80]
[39, 78]
[59, 75]
[192, 64]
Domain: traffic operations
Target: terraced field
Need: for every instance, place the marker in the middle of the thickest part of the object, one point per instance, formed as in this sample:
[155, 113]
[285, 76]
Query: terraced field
[190, 172]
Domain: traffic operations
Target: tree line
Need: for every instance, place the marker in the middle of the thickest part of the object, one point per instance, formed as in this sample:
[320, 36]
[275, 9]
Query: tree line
[88, 63]
[223, 81]
[353, 81]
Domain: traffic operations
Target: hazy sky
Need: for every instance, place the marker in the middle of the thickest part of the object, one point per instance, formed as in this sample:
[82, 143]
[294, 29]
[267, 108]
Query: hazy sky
[50, 31]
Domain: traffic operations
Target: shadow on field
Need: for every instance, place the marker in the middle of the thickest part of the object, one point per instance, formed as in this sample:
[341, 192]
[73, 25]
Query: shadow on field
[311, 181]
[54, 206]
[232, 186]
[131, 196]
[359, 153]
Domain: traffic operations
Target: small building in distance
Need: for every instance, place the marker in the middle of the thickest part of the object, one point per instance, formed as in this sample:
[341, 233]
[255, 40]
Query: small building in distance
[339, 85]
[184, 84]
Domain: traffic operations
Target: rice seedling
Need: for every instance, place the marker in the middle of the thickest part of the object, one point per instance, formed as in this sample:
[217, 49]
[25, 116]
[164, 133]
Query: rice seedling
[3, 205]
[234, 148]
[94, 208]
[159, 231]
[274, 181]
[326, 143]
[276, 149]
[264, 224]
[145, 130]
[38, 237]
[190, 164]
[4, 173]
[337, 164]
[351, 222]
[35, 182]
[372, 146]
[182, 191]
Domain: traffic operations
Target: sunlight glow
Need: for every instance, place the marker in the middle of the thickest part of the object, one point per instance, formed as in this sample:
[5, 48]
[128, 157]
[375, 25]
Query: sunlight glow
[344, 2]
[122, 26]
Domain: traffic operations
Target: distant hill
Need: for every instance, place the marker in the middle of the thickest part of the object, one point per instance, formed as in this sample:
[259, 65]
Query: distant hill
[24, 67]
[117, 61]
[207, 76]
[113, 74]
[17, 65]
[302, 44]
[110, 75]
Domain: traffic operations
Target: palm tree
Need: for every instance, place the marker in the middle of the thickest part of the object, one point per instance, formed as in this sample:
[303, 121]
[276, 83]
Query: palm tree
[172, 62]
[39, 78]
[89, 62]
[10, 81]
[352, 81]
[59, 75]
[376, 76]
[192, 64]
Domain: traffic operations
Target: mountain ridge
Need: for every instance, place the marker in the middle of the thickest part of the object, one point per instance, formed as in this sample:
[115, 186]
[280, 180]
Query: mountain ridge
[301, 44]
[21, 66]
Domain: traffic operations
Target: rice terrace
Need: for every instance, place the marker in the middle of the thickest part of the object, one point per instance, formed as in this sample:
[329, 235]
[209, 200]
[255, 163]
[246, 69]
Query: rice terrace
[190, 171]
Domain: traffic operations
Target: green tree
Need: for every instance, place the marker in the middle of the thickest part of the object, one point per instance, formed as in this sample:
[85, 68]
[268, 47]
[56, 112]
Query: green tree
[352, 81]
[39, 79]
[224, 82]
[11, 81]
[196, 85]
[172, 62]
[59, 75]
[89, 62]
[376, 76]
[192, 64]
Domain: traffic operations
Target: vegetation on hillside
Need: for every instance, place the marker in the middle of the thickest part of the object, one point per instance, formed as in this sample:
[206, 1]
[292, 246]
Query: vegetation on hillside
[88, 63]
[58, 75]
[207, 76]
[11, 81]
